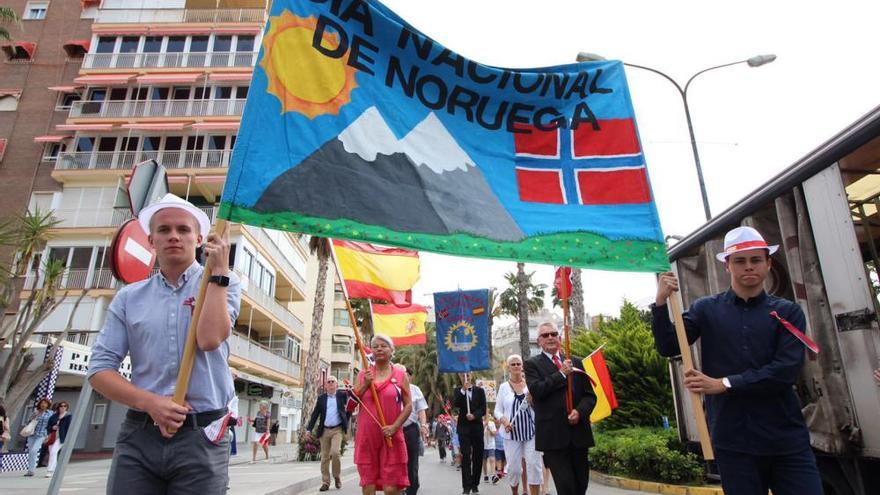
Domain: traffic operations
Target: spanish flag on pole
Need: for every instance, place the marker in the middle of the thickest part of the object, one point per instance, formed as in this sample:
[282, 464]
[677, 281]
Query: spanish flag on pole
[606, 401]
[377, 273]
[404, 324]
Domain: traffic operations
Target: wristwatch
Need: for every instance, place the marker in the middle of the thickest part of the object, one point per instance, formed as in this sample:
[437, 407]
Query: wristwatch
[220, 280]
[726, 383]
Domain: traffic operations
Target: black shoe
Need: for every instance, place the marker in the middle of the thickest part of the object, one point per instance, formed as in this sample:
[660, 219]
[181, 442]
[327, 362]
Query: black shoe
[466, 491]
[338, 482]
[475, 490]
[324, 487]
[485, 479]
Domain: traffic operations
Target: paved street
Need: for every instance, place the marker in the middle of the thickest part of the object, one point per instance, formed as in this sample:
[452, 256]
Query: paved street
[443, 479]
[279, 476]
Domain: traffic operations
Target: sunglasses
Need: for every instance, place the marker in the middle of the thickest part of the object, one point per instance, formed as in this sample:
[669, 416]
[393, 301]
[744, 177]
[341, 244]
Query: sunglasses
[515, 364]
[550, 334]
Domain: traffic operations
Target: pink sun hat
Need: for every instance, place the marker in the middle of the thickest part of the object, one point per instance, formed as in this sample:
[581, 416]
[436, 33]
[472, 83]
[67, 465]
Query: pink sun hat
[742, 239]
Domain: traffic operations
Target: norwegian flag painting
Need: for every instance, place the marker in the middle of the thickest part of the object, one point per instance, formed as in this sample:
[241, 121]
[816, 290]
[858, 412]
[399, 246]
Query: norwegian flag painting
[569, 166]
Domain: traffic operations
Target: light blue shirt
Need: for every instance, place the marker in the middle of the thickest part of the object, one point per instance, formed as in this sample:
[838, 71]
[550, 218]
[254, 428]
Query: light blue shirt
[150, 320]
[418, 404]
[332, 416]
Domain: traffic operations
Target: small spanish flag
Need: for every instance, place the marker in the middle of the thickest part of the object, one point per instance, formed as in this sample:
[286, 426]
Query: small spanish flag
[404, 324]
[377, 273]
[606, 401]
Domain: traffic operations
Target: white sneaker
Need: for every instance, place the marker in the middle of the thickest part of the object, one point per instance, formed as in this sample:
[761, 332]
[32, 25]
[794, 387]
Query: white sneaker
[48, 475]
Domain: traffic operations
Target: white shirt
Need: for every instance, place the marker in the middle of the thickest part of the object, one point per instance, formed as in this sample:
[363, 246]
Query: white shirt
[331, 418]
[504, 404]
[550, 357]
[418, 402]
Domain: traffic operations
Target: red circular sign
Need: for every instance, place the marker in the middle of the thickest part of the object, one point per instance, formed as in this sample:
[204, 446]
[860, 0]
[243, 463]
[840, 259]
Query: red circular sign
[131, 257]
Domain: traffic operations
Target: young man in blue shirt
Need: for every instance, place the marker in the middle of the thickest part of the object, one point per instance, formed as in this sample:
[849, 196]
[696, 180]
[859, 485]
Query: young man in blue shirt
[149, 320]
[750, 363]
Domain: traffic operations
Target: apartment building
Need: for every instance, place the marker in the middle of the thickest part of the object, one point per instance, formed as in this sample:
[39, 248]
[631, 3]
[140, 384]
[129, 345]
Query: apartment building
[134, 80]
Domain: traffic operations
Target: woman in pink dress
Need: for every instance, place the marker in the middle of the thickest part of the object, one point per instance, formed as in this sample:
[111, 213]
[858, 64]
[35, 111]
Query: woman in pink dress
[382, 467]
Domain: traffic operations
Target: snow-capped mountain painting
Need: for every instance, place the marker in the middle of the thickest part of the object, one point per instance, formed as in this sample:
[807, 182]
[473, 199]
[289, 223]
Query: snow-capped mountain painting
[424, 182]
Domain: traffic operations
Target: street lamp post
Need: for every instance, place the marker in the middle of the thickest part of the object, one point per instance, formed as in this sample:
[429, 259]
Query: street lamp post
[755, 61]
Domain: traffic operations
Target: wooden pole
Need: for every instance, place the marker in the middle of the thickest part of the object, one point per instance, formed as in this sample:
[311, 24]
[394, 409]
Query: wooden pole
[563, 288]
[189, 350]
[358, 341]
[688, 363]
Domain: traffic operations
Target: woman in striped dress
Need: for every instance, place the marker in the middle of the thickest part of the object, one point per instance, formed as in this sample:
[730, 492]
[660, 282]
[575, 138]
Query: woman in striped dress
[514, 413]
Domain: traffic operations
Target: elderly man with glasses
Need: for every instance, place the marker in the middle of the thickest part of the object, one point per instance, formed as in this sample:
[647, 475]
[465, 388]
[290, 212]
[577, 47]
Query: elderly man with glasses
[332, 420]
[563, 436]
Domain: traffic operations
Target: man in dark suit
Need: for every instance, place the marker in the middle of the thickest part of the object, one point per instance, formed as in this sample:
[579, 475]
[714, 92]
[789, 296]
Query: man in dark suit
[471, 404]
[564, 437]
[332, 419]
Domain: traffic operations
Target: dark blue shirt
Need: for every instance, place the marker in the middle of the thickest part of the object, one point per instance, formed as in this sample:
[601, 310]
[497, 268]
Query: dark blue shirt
[760, 414]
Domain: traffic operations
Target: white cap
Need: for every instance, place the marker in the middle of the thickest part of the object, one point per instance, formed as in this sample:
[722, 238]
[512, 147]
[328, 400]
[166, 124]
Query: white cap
[172, 201]
[743, 239]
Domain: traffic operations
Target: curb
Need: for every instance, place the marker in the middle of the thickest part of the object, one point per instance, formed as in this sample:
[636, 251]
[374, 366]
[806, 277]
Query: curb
[652, 486]
[313, 482]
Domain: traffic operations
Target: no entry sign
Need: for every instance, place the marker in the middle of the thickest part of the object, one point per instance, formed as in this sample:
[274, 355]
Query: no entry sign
[131, 257]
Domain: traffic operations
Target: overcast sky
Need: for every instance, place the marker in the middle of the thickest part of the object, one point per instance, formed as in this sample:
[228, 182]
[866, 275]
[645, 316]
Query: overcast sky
[750, 123]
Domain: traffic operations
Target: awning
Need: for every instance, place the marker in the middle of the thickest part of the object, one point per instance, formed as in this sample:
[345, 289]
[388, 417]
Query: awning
[170, 30]
[178, 179]
[12, 49]
[10, 92]
[89, 3]
[180, 77]
[237, 30]
[84, 127]
[216, 126]
[51, 138]
[119, 30]
[104, 79]
[158, 126]
[210, 179]
[76, 48]
[230, 76]
[65, 89]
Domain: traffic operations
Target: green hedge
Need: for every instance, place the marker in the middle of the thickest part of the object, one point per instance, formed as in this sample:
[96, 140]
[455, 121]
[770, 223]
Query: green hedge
[647, 454]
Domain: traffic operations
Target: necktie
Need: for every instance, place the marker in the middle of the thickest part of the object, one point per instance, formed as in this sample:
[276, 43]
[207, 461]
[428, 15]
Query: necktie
[557, 362]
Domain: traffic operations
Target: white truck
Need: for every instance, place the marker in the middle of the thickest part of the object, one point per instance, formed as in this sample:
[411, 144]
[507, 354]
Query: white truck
[823, 212]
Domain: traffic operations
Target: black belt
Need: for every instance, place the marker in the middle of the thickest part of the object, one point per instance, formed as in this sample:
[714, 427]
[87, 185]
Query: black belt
[331, 427]
[198, 419]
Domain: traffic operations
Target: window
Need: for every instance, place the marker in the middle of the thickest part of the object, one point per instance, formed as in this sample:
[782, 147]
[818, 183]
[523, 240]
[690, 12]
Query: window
[35, 10]
[176, 44]
[99, 411]
[105, 44]
[245, 43]
[222, 44]
[65, 100]
[198, 44]
[152, 44]
[340, 318]
[9, 101]
[50, 154]
[129, 44]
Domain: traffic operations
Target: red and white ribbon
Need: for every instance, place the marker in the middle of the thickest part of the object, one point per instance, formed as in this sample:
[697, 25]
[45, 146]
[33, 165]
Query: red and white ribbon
[808, 342]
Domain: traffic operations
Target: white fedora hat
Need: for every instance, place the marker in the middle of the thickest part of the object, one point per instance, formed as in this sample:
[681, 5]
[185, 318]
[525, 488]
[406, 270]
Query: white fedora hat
[742, 239]
[172, 201]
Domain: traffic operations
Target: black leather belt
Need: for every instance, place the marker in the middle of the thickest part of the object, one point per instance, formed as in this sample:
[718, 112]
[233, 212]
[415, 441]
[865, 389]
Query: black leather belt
[331, 427]
[198, 419]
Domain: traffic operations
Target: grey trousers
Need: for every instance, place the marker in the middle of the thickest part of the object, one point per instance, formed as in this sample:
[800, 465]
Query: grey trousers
[188, 463]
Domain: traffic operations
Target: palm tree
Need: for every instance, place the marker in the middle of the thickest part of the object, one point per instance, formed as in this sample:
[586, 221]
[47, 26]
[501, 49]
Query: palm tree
[494, 312]
[320, 247]
[577, 300]
[520, 298]
[7, 16]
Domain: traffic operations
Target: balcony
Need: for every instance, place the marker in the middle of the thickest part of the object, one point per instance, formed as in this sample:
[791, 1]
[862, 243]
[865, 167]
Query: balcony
[252, 290]
[168, 60]
[150, 16]
[126, 160]
[76, 279]
[278, 257]
[252, 351]
[157, 108]
[105, 217]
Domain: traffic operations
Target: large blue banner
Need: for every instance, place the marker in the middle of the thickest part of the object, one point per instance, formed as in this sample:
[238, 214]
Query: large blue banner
[360, 127]
[462, 330]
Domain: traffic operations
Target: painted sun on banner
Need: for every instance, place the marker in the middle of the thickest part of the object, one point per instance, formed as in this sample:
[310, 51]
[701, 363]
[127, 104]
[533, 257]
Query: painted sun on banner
[359, 127]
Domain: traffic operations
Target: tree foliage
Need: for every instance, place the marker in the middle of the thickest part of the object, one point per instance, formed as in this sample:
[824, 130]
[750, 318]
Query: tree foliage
[26, 236]
[639, 374]
[7, 16]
